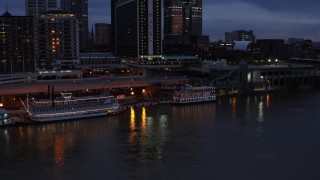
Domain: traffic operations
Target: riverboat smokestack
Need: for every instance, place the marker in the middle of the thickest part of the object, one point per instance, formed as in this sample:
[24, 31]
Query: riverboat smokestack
[52, 95]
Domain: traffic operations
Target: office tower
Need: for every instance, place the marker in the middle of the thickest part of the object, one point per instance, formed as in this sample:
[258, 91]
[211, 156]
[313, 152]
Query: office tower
[113, 20]
[37, 7]
[16, 44]
[57, 45]
[183, 17]
[80, 9]
[138, 28]
[183, 27]
[240, 35]
[102, 34]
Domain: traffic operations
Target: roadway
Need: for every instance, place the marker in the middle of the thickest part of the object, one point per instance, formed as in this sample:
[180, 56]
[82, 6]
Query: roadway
[84, 84]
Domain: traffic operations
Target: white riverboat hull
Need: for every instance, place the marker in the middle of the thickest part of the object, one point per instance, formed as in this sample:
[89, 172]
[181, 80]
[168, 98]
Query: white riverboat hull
[193, 102]
[189, 95]
[68, 107]
[74, 116]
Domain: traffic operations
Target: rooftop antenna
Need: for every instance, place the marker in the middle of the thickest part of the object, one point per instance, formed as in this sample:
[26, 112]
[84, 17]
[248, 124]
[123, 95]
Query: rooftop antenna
[6, 1]
[92, 34]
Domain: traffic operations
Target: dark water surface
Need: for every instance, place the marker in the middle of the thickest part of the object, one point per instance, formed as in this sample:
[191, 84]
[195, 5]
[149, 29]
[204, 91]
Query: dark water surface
[264, 137]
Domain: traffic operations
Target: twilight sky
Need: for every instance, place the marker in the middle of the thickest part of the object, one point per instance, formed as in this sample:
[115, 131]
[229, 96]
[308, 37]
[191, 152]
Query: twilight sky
[267, 18]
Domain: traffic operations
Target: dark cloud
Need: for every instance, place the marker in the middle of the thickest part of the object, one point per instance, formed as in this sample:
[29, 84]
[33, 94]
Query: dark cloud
[272, 5]
[267, 18]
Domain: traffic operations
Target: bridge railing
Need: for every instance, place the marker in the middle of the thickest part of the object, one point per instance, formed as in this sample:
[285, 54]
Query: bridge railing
[17, 78]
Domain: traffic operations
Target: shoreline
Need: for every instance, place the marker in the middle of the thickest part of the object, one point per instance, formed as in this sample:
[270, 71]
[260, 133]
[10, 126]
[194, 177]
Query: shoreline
[16, 113]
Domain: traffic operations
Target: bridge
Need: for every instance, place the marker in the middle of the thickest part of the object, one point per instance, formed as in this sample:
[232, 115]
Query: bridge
[305, 61]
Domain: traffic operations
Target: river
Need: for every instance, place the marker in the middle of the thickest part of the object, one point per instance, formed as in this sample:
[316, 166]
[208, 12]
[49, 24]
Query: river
[261, 137]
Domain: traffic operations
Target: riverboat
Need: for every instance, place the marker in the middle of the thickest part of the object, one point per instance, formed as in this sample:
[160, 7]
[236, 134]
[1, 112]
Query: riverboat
[189, 94]
[5, 118]
[68, 107]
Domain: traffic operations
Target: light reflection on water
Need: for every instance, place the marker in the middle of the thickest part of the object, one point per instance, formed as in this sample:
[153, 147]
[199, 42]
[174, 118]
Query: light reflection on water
[148, 140]
[225, 138]
[260, 115]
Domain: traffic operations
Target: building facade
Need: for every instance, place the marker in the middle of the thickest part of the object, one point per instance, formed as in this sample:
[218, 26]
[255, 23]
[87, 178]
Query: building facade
[272, 49]
[37, 7]
[240, 35]
[138, 32]
[183, 17]
[200, 45]
[183, 27]
[57, 46]
[80, 9]
[98, 64]
[102, 34]
[16, 47]
[177, 45]
[113, 24]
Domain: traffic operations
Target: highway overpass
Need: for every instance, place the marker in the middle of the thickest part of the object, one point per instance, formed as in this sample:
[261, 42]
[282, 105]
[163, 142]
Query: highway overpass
[85, 84]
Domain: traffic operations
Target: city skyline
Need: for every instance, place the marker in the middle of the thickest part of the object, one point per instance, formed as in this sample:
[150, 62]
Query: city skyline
[267, 19]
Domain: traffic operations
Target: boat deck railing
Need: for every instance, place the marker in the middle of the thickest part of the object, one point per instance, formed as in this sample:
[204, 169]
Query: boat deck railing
[67, 108]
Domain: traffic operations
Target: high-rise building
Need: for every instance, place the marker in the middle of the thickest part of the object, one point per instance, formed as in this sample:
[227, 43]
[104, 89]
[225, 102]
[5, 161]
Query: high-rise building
[240, 35]
[37, 7]
[102, 34]
[113, 20]
[183, 17]
[138, 30]
[16, 44]
[57, 46]
[80, 9]
[182, 27]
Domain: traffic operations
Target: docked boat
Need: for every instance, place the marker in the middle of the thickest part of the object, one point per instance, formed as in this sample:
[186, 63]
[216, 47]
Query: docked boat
[68, 107]
[189, 94]
[5, 119]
